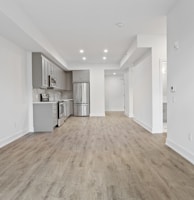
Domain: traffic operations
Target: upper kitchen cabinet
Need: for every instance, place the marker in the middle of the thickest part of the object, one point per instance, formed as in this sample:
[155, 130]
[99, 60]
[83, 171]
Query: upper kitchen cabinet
[39, 71]
[81, 76]
[68, 81]
[61, 78]
[43, 72]
[46, 74]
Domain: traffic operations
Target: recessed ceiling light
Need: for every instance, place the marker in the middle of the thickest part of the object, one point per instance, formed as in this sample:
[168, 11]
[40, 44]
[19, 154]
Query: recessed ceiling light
[114, 73]
[104, 58]
[81, 51]
[105, 50]
[120, 24]
[83, 58]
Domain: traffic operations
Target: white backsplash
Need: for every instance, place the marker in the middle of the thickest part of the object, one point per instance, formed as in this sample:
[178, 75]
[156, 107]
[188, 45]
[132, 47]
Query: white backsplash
[36, 94]
[67, 95]
[54, 95]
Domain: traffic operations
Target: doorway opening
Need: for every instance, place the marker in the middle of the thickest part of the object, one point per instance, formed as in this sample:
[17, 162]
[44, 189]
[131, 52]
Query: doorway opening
[114, 91]
[163, 70]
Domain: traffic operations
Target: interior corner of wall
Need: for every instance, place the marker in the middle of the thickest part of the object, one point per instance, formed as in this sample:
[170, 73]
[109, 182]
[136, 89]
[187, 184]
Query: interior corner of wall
[180, 150]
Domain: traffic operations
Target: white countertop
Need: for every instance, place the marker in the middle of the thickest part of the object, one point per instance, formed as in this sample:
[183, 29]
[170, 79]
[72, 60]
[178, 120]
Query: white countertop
[50, 102]
[45, 102]
[67, 100]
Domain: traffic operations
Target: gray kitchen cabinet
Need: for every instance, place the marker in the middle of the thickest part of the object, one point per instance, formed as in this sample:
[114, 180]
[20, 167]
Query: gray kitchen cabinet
[42, 68]
[68, 108]
[58, 81]
[81, 76]
[71, 107]
[39, 71]
[61, 79]
[45, 116]
[68, 81]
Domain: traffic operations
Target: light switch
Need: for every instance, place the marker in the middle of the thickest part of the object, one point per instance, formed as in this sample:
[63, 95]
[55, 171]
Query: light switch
[176, 45]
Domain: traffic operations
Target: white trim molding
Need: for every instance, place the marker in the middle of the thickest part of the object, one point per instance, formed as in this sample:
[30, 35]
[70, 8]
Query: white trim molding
[148, 128]
[97, 114]
[180, 150]
[7, 140]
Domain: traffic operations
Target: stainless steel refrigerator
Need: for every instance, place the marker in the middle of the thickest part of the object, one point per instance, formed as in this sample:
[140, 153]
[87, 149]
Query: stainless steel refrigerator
[81, 97]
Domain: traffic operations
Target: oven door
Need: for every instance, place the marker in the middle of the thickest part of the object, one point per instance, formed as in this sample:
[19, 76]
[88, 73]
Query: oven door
[52, 82]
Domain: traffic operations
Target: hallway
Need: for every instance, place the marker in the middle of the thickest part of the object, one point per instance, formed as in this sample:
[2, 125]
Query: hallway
[96, 158]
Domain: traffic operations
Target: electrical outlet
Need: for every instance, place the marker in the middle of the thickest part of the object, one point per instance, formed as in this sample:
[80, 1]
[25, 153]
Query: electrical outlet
[190, 137]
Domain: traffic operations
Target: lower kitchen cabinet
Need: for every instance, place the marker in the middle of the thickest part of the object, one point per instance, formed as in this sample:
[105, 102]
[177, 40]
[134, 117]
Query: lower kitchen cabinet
[68, 108]
[45, 116]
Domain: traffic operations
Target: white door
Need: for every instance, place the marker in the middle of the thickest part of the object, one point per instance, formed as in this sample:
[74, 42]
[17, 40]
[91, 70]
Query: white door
[114, 93]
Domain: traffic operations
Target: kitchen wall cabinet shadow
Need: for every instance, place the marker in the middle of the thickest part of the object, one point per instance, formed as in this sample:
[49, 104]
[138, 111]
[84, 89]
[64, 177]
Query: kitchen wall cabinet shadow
[68, 81]
[81, 76]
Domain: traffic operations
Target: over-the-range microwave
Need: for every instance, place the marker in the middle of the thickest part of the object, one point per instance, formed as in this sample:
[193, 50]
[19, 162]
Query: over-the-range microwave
[52, 82]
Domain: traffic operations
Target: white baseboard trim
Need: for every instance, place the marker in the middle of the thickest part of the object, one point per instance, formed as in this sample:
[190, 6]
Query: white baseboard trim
[148, 128]
[180, 150]
[97, 114]
[126, 114]
[116, 110]
[129, 115]
[15, 136]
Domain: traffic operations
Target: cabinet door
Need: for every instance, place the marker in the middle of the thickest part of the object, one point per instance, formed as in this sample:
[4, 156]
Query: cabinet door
[44, 73]
[65, 109]
[68, 81]
[81, 76]
[57, 78]
[52, 70]
[71, 104]
[55, 114]
[63, 80]
[60, 77]
[68, 108]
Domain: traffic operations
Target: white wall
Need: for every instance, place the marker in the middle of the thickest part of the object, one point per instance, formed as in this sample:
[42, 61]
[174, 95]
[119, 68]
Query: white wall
[27, 34]
[128, 99]
[164, 80]
[180, 136]
[30, 91]
[97, 102]
[14, 107]
[126, 91]
[114, 93]
[131, 80]
[142, 92]
[159, 52]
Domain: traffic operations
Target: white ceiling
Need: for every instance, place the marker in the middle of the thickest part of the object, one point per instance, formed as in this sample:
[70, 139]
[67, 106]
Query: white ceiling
[70, 25]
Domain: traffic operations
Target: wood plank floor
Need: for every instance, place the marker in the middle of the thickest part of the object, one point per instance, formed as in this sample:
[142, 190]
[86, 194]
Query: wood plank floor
[109, 158]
